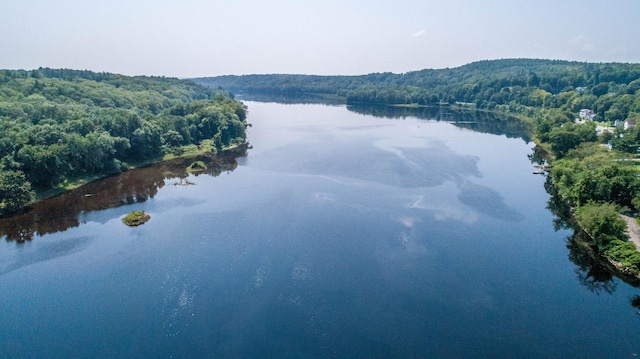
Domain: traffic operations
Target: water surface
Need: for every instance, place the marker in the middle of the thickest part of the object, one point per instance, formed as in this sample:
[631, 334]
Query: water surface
[340, 234]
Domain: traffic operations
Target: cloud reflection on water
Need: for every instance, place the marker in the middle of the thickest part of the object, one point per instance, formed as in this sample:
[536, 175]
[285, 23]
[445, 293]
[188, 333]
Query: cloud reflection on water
[44, 252]
[444, 176]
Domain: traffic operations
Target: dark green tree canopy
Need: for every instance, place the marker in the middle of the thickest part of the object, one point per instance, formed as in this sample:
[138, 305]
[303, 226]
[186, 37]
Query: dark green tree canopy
[15, 191]
[57, 124]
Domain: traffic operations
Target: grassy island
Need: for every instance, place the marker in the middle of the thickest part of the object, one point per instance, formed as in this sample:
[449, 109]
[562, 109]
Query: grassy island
[136, 218]
[197, 167]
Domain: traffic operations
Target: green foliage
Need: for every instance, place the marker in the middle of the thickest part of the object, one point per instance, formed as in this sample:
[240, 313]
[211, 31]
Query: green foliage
[60, 124]
[592, 173]
[627, 141]
[15, 191]
[625, 253]
[197, 166]
[603, 223]
[513, 84]
[172, 138]
[569, 136]
[135, 218]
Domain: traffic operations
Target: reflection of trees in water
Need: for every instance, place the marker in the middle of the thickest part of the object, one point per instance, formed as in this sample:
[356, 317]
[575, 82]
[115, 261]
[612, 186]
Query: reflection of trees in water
[560, 209]
[635, 302]
[290, 98]
[592, 271]
[401, 112]
[539, 156]
[62, 212]
[479, 121]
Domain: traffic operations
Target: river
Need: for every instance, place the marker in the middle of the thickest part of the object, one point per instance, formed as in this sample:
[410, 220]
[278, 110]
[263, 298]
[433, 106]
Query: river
[341, 233]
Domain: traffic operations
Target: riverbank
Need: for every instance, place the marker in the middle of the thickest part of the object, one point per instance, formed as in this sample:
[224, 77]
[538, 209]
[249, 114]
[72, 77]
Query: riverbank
[580, 179]
[190, 151]
[66, 210]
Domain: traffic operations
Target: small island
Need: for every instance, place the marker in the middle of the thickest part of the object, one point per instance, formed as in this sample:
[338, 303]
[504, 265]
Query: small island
[136, 218]
[197, 167]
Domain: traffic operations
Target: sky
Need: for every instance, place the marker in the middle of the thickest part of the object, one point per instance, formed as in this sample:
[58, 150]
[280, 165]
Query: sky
[194, 38]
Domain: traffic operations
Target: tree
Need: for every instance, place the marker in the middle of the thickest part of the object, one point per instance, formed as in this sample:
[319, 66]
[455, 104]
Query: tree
[569, 136]
[15, 191]
[533, 80]
[146, 141]
[563, 140]
[43, 165]
[172, 138]
[602, 222]
[600, 89]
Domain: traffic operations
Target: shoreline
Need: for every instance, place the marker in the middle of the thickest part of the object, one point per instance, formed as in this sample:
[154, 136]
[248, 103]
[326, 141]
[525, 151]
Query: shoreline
[204, 150]
[632, 230]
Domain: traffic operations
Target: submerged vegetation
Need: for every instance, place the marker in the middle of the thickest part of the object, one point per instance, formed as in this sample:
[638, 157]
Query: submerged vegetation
[63, 127]
[583, 117]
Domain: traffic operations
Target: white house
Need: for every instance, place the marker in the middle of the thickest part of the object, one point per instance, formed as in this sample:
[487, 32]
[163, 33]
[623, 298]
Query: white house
[587, 114]
[602, 129]
[629, 124]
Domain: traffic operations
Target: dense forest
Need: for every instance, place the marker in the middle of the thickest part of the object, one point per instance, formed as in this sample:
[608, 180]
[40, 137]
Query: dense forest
[583, 117]
[61, 125]
[516, 85]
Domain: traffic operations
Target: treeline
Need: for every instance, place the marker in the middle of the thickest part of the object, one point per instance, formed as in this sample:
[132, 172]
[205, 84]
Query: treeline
[515, 85]
[60, 124]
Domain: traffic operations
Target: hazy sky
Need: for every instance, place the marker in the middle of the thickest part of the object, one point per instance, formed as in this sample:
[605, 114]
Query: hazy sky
[190, 38]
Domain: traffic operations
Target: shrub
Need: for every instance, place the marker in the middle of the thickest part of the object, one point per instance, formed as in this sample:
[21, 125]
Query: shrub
[136, 218]
[625, 253]
[197, 166]
[602, 222]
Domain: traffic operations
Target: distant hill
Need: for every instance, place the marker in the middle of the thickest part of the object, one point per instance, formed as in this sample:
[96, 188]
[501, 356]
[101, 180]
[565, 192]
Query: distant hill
[485, 84]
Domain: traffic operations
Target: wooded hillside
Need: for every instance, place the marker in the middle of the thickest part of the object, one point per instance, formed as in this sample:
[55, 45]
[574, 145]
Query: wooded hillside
[62, 124]
[515, 85]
